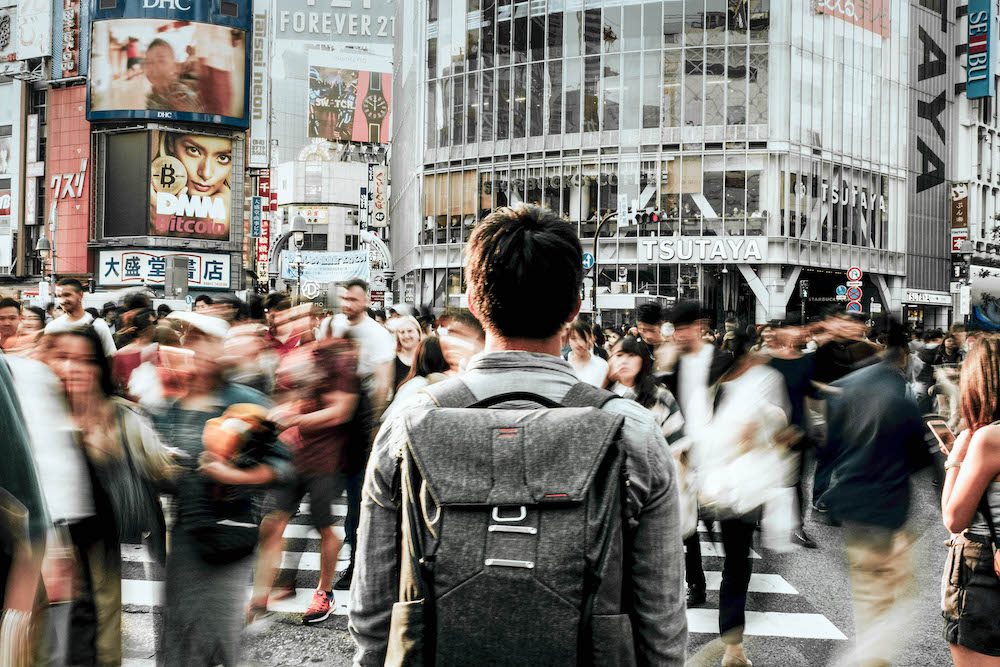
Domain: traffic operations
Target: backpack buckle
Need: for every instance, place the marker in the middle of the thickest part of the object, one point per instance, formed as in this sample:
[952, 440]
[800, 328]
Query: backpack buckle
[522, 515]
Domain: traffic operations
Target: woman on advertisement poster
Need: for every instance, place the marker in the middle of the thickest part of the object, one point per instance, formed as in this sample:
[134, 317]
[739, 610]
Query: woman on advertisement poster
[190, 191]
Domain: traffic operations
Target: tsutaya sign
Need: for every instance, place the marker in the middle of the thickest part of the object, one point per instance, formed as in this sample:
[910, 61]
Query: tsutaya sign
[704, 250]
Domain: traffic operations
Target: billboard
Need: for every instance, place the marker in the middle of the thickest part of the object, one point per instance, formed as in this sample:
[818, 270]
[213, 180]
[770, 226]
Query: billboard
[344, 21]
[7, 164]
[149, 267]
[350, 95]
[979, 70]
[872, 15]
[321, 266]
[259, 154]
[190, 185]
[167, 60]
[34, 29]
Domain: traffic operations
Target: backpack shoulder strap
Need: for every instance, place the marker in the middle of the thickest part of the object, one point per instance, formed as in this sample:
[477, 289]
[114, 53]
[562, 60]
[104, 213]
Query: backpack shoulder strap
[583, 395]
[452, 393]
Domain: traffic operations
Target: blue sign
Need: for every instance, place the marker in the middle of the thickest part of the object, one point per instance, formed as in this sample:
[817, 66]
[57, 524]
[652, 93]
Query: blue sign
[256, 216]
[979, 81]
[841, 290]
[588, 261]
[854, 307]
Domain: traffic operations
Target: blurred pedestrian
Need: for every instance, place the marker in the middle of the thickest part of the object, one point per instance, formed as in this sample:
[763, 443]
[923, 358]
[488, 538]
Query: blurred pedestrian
[740, 462]
[875, 425]
[216, 500]
[699, 366]
[125, 458]
[10, 323]
[783, 346]
[23, 525]
[317, 393]
[970, 504]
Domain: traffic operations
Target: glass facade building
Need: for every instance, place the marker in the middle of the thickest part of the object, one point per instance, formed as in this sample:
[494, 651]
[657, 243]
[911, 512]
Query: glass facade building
[769, 134]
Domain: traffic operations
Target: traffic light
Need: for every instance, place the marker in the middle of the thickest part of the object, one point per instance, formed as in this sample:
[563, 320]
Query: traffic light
[648, 215]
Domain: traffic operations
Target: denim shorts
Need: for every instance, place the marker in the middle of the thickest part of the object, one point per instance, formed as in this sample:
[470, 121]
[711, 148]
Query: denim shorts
[971, 595]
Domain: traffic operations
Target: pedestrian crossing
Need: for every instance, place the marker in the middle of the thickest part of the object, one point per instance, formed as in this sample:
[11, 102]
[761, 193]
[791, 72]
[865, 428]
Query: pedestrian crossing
[775, 608]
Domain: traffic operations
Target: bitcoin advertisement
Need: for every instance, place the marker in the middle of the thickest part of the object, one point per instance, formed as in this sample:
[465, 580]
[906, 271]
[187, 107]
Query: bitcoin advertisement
[190, 192]
[350, 97]
[175, 61]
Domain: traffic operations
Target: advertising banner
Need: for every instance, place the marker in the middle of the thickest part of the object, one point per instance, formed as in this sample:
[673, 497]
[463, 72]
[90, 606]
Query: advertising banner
[350, 95]
[871, 15]
[320, 266]
[34, 29]
[167, 60]
[342, 21]
[149, 267]
[70, 38]
[6, 151]
[5, 201]
[979, 69]
[256, 216]
[260, 103]
[190, 188]
[378, 196]
[985, 297]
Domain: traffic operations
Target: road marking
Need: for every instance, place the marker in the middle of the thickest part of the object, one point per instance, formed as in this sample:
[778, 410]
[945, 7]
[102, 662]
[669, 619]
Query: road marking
[307, 560]
[759, 583]
[769, 624]
[716, 550]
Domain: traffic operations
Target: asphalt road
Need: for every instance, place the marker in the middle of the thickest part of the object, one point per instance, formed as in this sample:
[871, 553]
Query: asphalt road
[800, 609]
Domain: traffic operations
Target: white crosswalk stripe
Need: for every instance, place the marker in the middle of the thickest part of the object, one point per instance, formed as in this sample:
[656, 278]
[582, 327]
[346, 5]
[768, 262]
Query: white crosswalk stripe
[148, 592]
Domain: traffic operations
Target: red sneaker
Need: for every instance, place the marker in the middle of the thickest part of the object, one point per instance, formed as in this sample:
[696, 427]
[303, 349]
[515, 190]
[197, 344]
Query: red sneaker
[319, 610]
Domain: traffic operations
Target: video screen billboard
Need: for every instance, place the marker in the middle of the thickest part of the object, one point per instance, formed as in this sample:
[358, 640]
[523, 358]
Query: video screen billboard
[190, 192]
[168, 69]
[350, 97]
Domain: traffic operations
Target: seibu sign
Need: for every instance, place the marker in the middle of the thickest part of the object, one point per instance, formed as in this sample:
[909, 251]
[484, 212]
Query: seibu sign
[704, 250]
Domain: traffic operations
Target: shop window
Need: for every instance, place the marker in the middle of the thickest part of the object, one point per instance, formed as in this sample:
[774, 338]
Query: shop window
[694, 69]
[486, 115]
[611, 95]
[672, 88]
[573, 85]
[553, 96]
[673, 22]
[651, 90]
[592, 31]
[554, 35]
[458, 111]
[472, 108]
[487, 34]
[519, 33]
[591, 82]
[520, 95]
[503, 104]
[536, 127]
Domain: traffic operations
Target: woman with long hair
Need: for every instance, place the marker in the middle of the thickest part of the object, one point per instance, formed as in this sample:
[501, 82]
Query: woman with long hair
[124, 457]
[588, 367]
[408, 334]
[970, 506]
[429, 366]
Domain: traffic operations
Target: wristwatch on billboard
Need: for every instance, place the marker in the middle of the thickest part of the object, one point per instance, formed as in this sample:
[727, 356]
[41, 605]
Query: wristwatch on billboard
[375, 107]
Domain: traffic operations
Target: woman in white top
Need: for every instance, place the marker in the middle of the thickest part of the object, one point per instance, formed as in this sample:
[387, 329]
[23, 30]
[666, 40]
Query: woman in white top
[589, 367]
[408, 335]
[740, 464]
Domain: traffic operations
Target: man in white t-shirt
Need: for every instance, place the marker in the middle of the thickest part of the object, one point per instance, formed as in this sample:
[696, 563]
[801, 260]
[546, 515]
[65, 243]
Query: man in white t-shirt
[69, 295]
[376, 354]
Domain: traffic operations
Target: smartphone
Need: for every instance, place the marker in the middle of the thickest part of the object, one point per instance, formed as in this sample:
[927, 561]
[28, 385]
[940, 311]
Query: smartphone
[942, 433]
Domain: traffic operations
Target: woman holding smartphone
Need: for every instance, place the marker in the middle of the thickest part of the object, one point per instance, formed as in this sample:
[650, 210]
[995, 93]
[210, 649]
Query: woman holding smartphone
[970, 505]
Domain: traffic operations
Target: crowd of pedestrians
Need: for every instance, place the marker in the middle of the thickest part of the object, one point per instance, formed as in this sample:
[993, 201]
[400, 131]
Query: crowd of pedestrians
[501, 464]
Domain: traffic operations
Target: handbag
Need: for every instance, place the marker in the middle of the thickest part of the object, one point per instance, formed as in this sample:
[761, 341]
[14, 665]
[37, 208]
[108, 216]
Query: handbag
[984, 509]
[134, 503]
[225, 541]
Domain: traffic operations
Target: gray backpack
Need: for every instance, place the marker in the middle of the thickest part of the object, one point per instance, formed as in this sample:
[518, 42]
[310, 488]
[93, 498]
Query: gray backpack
[514, 527]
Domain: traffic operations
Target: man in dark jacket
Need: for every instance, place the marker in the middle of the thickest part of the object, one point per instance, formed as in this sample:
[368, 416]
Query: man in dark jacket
[876, 426]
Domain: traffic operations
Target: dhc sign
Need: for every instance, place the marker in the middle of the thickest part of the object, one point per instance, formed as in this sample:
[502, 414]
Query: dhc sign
[979, 71]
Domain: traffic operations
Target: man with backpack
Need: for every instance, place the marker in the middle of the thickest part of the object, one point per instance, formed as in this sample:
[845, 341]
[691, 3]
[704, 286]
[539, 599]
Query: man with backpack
[513, 516]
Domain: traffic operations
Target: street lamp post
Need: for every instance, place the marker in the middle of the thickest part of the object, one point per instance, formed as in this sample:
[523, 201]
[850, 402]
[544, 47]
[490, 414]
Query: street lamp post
[44, 249]
[597, 263]
[298, 231]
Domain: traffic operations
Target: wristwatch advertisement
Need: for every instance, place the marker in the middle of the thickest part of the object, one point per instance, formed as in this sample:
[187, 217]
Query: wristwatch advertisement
[375, 107]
